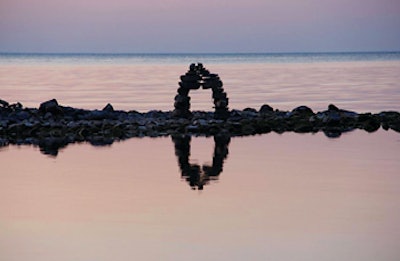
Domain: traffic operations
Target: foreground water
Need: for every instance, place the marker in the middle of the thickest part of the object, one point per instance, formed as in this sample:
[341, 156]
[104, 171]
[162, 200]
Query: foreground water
[271, 197]
[279, 197]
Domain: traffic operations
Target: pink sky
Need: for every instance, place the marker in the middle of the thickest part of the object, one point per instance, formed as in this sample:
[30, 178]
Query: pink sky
[201, 26]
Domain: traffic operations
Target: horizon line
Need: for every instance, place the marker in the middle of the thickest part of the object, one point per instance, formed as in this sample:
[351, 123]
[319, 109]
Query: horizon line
[193, 53]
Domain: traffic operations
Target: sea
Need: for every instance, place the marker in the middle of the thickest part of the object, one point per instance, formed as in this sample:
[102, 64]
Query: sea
[275, 196]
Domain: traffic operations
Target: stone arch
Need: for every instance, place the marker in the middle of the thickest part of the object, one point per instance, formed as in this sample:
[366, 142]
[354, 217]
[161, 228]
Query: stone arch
[198, 76]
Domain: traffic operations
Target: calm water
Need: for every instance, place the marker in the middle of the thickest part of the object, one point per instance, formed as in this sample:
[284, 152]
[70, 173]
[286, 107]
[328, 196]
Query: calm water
[268, 197]
[362, 82]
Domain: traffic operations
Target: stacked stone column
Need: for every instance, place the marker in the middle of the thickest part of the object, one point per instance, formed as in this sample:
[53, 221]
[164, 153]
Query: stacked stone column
[197, 77]
[221, 101]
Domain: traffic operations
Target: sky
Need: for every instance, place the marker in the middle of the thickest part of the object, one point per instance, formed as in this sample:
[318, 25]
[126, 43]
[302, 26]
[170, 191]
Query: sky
[206, 26]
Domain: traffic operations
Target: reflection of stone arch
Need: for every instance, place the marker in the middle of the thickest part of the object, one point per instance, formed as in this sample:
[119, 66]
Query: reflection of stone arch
[198, 177]
[197, 77]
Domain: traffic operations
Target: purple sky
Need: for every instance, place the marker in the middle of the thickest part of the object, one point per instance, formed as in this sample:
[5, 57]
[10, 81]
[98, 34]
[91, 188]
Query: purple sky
[199, 26]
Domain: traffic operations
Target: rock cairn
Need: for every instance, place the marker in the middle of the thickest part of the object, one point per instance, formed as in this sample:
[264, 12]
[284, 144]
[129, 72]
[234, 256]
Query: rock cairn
[198, 76]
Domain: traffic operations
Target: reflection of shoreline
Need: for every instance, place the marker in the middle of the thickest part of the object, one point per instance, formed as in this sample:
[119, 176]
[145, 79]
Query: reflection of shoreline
[195, 175]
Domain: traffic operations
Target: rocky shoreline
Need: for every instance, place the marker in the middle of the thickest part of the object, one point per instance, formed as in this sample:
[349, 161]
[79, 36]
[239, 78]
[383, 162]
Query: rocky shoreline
[52, 126]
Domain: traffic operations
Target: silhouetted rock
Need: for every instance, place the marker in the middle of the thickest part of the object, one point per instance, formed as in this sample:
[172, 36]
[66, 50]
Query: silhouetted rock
[50, 106]
[304, 110]
[369, 122]
[250, 110]
[108, 108]
[332, 107]
[266, 108]
[4, 103]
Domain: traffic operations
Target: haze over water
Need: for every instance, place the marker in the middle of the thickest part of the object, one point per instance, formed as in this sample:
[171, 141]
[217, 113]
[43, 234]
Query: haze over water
[278, 196]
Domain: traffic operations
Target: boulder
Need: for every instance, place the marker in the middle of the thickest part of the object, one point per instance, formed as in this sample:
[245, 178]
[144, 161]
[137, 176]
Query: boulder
[303, 110]
[332, 107]
[266, 108]
[108, 108]
[250, 110]
[50, 106]
[4, 103]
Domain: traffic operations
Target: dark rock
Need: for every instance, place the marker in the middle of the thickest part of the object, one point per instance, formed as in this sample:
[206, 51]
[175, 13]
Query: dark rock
[329, 118]
[349, 114]
[22, 115]
[332, 133]
[182, 99]
[249, 113]
[183, 91]
[262, 126]
[178, 113]
[15, 106]
[369, 122]
[205, 72]
[97, 115]
[192, 128]
[395, 126]
[101, 141]
[372, 126]
[390, 119]
[48, 116]
[303, 127]
[247, 127]
[183, 106]
[190, 78]
[304, 110]
[332, 107]
[50, 106]
[250, 110]
[266, 108]
[4, 103]
[51, 146]
[190, 85]
[212, 83]
[108, 108]
[219, 95]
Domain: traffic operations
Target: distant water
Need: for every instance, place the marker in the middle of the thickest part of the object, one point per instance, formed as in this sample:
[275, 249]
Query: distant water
[212, 58]
[143, 82]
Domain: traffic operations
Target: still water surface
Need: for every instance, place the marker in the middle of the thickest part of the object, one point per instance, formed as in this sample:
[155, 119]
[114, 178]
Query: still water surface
[267, 197]
[278, 197]
[352, 83]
